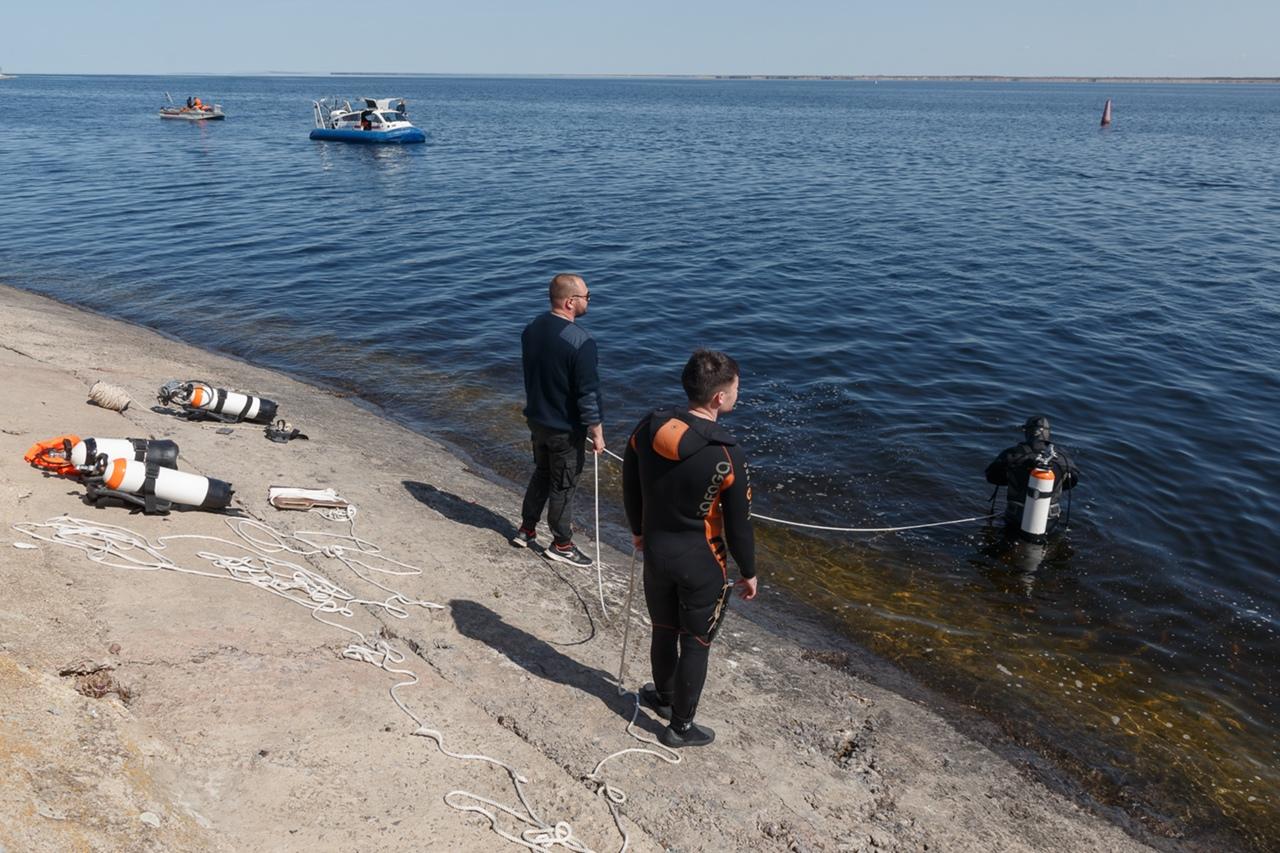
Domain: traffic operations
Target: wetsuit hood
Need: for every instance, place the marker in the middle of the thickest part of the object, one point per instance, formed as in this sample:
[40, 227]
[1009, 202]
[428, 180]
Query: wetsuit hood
[676, 434]
[1037, 430]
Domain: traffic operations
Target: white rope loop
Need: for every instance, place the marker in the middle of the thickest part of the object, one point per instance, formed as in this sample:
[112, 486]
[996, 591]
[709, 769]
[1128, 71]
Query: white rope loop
[258, 566]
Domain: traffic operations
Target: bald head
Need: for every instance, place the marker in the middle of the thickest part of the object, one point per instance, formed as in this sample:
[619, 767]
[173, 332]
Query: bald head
[565, 285]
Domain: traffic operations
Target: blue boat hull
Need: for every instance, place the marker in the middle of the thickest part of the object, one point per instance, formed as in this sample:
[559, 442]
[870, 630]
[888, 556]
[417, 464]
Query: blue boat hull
[399, 136]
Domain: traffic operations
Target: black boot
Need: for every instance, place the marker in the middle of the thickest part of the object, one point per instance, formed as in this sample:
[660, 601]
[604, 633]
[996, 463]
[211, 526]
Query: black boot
[688, 734]
[652, 699]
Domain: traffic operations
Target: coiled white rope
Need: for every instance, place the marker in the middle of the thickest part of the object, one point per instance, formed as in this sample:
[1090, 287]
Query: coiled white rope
[808, 526]
[118, 547]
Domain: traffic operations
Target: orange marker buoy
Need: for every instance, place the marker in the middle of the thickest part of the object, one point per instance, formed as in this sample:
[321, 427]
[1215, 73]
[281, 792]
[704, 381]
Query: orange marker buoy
[1106, 113]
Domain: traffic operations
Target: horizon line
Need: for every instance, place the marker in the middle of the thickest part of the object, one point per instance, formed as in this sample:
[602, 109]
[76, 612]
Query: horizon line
[998, 78]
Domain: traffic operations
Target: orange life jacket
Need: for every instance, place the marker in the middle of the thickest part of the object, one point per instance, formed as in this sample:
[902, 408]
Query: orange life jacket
[53, 455]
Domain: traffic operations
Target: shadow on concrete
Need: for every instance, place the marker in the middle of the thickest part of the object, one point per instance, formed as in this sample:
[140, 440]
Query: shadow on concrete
[539, 658]
[473, 514]
[459, 509]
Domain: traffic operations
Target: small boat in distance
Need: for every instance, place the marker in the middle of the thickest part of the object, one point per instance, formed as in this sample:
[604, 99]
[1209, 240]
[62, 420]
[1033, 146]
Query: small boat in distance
[376, 121]
[4, 76]
[195, 110]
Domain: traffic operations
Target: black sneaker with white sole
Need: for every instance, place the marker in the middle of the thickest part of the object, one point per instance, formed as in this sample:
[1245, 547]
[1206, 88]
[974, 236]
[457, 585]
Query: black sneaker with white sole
[523, 538]
[692, 735]
[568, 554]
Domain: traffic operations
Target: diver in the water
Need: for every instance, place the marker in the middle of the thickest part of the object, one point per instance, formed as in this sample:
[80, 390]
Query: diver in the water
[1034, 464]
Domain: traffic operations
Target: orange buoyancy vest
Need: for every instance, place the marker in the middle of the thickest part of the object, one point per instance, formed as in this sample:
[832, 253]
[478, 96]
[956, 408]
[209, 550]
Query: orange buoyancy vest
[53, 454]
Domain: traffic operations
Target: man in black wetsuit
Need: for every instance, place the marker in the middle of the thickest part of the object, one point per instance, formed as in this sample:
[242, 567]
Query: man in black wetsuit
[688, 501]
[562, 406]
[1013, 467]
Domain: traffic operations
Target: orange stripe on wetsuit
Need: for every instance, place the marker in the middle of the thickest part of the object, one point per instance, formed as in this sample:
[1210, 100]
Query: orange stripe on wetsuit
[714, 522]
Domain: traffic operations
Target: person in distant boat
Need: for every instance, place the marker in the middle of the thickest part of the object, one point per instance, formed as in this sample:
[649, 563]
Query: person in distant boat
[402, 110]
[188, 102]
[364, 121]
[688, 501]
[1012, 468]
[196, 104]
[562, 407]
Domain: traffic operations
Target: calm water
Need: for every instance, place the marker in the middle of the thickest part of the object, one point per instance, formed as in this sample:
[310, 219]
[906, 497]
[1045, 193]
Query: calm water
[905, 272]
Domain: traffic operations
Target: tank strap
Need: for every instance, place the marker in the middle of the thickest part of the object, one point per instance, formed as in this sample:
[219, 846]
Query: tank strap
[139, 449]
[219, 398]
[148, 490]
[248, 402]
[90, 450]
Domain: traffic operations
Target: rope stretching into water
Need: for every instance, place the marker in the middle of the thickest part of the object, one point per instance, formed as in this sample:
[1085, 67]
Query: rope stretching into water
[808, 526]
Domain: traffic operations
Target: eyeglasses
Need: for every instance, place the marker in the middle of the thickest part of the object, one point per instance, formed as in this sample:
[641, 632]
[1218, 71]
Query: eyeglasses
[583, 296]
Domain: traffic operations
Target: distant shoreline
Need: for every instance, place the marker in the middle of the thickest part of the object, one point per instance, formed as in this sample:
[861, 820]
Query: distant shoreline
[872, 78]
[857, 78]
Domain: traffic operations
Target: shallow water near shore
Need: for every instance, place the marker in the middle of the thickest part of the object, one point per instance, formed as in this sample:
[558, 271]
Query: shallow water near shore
[905, 272]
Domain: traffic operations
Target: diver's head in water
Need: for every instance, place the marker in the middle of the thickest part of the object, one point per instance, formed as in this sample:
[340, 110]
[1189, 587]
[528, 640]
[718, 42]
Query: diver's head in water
[1036, 429]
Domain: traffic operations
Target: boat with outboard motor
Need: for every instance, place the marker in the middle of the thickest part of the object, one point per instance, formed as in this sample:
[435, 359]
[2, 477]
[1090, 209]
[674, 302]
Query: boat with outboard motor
[376, 121]
[195, 110]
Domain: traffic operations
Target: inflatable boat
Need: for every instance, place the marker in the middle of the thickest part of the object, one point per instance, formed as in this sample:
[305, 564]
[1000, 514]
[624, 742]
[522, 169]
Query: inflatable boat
[194, 110]
[210, 113]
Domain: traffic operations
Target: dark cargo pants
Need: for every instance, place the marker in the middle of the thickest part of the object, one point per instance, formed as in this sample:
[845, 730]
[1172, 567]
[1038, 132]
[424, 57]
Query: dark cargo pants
[557, 462]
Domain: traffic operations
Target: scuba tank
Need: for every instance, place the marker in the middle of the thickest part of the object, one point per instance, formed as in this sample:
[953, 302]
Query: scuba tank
[162, 451]
[1039, 497]
[201, 400]
[66, 454]
[151, 486]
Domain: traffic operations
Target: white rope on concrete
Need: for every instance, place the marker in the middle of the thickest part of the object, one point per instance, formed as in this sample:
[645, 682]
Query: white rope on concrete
[616, 797]
[118, 547]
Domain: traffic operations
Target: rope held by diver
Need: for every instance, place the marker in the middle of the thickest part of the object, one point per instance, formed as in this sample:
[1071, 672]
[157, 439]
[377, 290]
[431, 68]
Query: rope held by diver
[808, 526]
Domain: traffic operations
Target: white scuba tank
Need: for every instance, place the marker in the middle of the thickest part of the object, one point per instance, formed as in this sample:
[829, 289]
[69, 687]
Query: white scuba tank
[231, 404]
[162, 451]
[1035, 508]
[179, 487]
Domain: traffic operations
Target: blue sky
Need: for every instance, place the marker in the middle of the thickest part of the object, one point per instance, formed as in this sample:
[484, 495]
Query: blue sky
[1085, 37]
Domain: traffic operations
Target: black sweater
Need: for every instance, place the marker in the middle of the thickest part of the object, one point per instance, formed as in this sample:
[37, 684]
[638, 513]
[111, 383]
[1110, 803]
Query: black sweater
[561, 385]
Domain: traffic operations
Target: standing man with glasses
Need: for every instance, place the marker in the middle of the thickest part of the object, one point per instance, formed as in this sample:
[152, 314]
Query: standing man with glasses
[562, 406]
